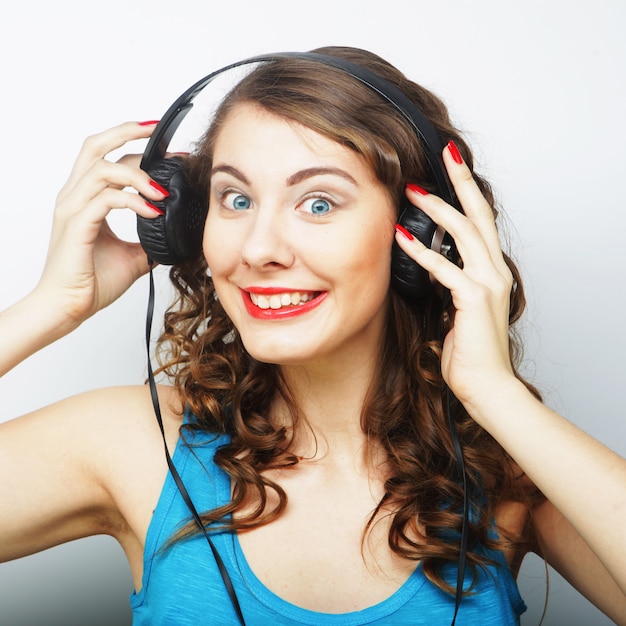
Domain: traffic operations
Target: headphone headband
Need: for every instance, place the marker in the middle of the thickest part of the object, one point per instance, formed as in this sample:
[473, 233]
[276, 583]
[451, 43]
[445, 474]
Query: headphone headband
[428, 136]
[177, 234]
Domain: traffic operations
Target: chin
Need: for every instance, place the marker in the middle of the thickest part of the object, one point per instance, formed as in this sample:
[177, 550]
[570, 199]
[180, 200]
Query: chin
[278, 355]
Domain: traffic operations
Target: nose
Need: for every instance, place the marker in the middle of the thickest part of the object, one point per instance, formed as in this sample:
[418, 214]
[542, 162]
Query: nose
[267, 243]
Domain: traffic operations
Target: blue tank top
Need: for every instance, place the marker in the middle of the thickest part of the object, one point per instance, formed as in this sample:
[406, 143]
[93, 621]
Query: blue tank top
[182, 586]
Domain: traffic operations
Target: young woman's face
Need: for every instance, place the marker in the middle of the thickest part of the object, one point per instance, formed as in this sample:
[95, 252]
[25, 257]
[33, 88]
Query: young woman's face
[298, 241]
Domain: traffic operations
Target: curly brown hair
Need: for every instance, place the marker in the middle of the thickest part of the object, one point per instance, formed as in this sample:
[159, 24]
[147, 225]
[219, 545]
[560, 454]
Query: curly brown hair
[230, 392]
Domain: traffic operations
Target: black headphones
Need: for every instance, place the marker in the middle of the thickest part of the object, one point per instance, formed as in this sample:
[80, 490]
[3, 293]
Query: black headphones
[177, 235]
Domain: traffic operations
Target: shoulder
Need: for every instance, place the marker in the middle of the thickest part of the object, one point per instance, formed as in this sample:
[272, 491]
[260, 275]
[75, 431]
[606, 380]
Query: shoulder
[116, 428]
[110, 437]
[122, 446]
[127, 411]
[89, 464]
[115, 415]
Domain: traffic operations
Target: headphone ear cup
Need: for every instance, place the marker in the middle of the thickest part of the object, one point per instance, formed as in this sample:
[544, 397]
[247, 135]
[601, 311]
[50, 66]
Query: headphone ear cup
[176, 235]
[409, 279]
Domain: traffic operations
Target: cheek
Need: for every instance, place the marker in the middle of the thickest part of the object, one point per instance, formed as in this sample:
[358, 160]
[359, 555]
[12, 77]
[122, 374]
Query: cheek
[361, 263]
[219, 254]
[376, 265]
[208, 248]
[217, 248]
[372, 249]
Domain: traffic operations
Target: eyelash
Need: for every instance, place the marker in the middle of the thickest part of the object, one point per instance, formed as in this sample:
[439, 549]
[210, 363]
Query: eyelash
[318, 196]
[223, 195]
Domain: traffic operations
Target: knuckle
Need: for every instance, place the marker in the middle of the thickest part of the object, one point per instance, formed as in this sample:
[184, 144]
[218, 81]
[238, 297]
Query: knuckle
[100, 169]
[482, 292]
[502, 286]
[129, 159]
[465, 175]
[93, 144]
[436, 259]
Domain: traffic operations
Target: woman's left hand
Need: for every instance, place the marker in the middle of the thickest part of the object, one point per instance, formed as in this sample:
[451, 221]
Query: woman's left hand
[476, 349]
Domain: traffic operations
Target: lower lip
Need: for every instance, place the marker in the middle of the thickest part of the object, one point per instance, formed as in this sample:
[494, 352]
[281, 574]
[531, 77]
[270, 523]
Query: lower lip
[283, 313]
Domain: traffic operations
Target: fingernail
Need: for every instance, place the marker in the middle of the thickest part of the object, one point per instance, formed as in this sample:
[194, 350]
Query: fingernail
[149, 123]
[417, 189]
[160, 189]
[454, 152]
[403, 231]
[154, 208]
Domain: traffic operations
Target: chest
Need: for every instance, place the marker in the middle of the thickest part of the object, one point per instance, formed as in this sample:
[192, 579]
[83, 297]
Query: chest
[326, 552]
[317, 560]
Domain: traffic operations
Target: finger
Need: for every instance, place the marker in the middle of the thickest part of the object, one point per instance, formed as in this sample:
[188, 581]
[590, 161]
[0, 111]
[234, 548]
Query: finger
[443, 271]
[467, 291]
[114, 199]
[473, 250]
[134, 160]
[475, 205]
[87, 223]
[102, 175]
[97, 146]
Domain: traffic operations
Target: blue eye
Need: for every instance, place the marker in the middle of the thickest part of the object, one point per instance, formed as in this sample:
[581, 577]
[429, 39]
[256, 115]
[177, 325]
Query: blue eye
[237, 201]
[318, 206]
[241, 202]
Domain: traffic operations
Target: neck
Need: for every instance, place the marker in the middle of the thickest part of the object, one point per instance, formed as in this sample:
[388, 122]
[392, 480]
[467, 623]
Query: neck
[330, 399]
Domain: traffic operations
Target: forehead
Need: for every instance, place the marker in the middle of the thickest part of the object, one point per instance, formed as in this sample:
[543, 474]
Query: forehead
[253, 137]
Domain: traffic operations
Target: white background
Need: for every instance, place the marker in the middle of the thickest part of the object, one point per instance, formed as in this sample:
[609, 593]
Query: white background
[539, 89]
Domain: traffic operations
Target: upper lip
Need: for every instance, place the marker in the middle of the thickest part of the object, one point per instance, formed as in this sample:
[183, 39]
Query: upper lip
[270, 290]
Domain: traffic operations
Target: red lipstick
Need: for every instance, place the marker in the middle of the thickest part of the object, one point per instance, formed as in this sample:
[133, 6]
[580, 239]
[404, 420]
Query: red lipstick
[283, 313]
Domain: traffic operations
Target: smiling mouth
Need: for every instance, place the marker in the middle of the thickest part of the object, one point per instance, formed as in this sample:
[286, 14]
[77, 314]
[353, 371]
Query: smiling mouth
[268, 303]
[278, 301]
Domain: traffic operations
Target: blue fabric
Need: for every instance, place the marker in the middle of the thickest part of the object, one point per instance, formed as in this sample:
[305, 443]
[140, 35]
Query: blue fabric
[182, 585]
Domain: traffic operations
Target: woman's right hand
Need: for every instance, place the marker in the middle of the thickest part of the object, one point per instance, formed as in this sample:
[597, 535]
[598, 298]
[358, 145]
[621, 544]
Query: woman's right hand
[88, 266]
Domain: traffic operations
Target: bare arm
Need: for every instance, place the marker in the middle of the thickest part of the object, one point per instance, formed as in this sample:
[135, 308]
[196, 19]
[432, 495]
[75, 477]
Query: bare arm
[54, 482]
[582, 478]
[88, 464]
[558, 542]
[49, 488]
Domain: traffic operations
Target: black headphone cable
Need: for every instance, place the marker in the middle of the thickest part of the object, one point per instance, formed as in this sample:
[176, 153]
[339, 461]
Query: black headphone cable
[172, 468]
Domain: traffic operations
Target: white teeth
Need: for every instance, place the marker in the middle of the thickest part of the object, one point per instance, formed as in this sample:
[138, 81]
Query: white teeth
[275, 302]
[279, 300]
[262, 302]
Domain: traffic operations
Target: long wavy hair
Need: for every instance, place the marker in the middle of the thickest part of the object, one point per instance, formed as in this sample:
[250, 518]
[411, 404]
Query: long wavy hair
[230, 392]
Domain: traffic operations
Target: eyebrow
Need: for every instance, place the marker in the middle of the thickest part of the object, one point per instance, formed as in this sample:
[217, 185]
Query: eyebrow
[294, 179]
[229, 169]
[310, 172]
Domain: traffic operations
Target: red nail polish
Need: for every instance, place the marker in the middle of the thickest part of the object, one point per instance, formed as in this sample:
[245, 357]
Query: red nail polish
[149, 123]
[160, 189]
[417, 189]
[403, 231]
[454, 152]
[154, 208]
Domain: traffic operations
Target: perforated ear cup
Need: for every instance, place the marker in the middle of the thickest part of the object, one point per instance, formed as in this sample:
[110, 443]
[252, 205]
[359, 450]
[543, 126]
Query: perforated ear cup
[177, 235]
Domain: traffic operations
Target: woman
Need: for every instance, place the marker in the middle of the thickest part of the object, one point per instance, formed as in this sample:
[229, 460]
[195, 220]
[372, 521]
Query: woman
[312, 396]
